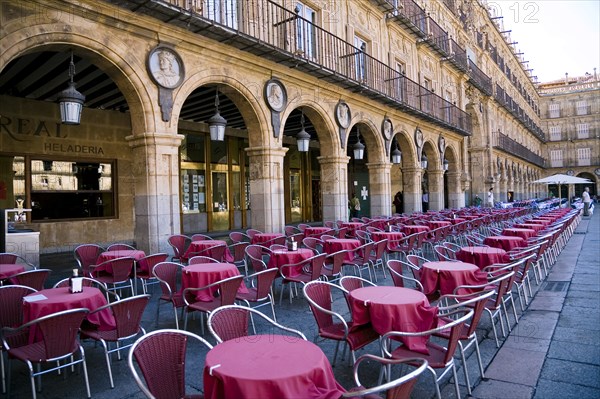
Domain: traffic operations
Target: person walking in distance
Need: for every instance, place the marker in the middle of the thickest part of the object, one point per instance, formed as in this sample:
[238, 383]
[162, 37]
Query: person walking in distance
[354, 206]
[586, 201]
[490, 198]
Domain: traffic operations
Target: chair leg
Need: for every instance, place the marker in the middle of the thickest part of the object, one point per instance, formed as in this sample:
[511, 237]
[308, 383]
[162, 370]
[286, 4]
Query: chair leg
[2, 371]
[456, 380]
[31, 377]
[438, 394]
[107, 358]
[464, 364]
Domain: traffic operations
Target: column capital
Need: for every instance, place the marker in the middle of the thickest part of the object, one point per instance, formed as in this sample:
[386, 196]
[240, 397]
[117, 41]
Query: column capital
[154, 138]
[266, 151]
[333, 159]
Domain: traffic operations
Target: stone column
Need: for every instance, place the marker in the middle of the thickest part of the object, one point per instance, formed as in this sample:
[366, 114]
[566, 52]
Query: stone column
[334, 187]
[412, 189]
[267, 188]
[502, 189]
[156, 196]
[436, 189]
[456, 198]
[381, 188]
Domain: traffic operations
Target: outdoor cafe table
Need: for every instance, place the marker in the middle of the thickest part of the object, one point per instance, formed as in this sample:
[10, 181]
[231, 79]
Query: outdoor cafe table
[203, 274]
[52, 300]
[390, 308]
[533, 226]
[269, 367]
[505, 242]
[280, 257]
[393, 238]
[352, 226]
[8, 269]
[412, 229]
[333, 245]
[121, 253]
[203, 246]
[445, 276]
[316, 231]
[523, 233]
[261, 238]
[482, 256]
[434, 224]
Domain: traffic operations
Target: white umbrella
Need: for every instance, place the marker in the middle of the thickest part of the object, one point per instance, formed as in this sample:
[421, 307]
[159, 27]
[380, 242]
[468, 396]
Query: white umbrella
[560, 178]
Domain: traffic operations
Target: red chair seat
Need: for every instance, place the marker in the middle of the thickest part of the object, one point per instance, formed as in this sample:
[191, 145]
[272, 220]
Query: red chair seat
[435, 358]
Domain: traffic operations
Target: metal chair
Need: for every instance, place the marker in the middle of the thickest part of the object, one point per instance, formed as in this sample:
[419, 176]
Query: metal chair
[116, 272]
[120, 247]
[167, 274]
[144, 268]
[200, 237]
[232, 321]
[396, 268]
[238, 251]
[87, 255]
[194, 260]
[308, 270]
[260, 290]
[31, 278]
[58, 343]
[161, 357]
[128, 315]
[396, 388]
[179, 243]
[237, 236]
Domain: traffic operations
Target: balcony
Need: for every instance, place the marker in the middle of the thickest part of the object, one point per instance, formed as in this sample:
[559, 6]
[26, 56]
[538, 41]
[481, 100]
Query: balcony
[515, 110]
[410, 15]
[266, 29]
[479, 79]
[510, 146]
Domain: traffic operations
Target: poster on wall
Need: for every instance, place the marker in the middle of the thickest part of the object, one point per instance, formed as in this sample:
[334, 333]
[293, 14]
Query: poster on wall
[201, 180]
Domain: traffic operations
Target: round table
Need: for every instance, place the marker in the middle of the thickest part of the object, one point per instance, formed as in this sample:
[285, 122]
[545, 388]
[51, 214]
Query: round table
[52, 300]
[340, 244]
[533, 226]
[394, 309]
[505, 242]
[517, 232]
[203, 274]
[269, 367]
[434, 224]
[352, 226]
[204, 246]
[445, 276]
[317, 231]
[393, 238]
[8, 269]
[482, 256]
[412, 229]
[280, 257]
[262, 238]
[121, 253]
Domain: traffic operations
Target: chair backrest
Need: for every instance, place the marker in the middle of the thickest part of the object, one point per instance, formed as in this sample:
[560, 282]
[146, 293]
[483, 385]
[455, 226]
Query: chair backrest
[379, 250]
[303, 226]
[166, 273]
[334, 262]
[31, 278]
[318, 295]
[252, 232]
[451, 246]
[149, 261]
[238, 251]
[396, 388]
[237, 236]
[120, 247]
[475, 301]
[263, 281]
[313, 243]
[200, 237]
[161, 358]
[194, 260]
[396, 268]
[254, 254]
[11, 304]
[86, 255]
[232, 321]
[128, 314]
[58, 332]
[342, 232]
[363, 236]
[8, 258]
[417, 262]
[291, 230]
[119, 268]
[330, 223]
[216, 252]
[350, 283]
[443, 253]
[179, 243]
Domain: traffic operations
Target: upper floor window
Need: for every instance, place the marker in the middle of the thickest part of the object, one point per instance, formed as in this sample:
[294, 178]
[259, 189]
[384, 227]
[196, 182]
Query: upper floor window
[581, 107]
[400, 81]
[306, 30]
[223, 12]
[584, 156]
[554, 110]
[555, 133]
[582, 131]
[360, 63]
[556, 158]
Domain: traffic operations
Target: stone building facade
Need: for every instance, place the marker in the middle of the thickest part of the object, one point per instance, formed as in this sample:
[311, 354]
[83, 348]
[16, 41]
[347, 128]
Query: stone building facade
[435, 80]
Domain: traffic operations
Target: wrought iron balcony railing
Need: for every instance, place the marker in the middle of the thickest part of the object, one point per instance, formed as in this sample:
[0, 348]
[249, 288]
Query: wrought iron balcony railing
[271, 31]
[508, 145]
[513, 107]
[480, 79]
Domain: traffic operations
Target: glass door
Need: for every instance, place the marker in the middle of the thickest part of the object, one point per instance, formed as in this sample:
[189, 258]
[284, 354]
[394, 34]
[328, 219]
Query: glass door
[220, 204]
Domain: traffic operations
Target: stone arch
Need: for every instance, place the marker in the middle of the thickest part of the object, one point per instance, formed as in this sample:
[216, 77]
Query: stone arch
[374, 145]
[406, 146]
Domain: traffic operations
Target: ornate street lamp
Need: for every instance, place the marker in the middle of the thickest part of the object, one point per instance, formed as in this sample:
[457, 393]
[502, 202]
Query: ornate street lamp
[396, 154]
[302, 138]
[445, 164]
[216, 123]
[359, 148]
[423, 161]
[70, 100]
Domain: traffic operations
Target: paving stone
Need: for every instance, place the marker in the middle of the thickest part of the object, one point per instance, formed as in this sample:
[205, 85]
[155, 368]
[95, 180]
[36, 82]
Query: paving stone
[553, 389]
[516, 366]
[572, 372]
[577, 335]
[575, 352]
[493, 389]
[537, 324]
[554, 304]
[559, 276]
[527, 343]
[583, 303]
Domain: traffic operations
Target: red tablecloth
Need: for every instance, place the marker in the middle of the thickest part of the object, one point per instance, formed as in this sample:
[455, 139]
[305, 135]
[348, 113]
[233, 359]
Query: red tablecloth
[482, 256]
[445, 276]
[412, 229]
[203, 274]
[122, 253]
[517, 232]
[316, 231]
[261, 238]
[505, 242]
[334, 245]
[544, 222]
[8, 269]
[434, 224]
[281, 257]
[269, 367]
[59, 299]
[393, 238]
[352, 226]
[458, 220]
[201, 245]
[533, 226]
[394, 309]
